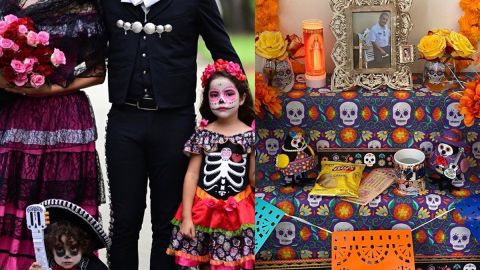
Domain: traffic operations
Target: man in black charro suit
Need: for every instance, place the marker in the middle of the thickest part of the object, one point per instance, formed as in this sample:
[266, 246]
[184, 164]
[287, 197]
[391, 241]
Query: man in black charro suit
[152, 80]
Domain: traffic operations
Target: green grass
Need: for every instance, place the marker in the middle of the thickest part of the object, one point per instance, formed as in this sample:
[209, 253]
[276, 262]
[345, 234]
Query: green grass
[244, 45]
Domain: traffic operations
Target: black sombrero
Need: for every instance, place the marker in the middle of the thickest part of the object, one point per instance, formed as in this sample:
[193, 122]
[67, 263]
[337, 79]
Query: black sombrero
[65, 210]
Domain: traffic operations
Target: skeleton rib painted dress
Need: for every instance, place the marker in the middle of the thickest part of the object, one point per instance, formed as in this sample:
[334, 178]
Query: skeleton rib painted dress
[223, 207]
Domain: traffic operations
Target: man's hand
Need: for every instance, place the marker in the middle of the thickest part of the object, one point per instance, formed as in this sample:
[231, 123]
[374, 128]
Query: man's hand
[187, 229]
[383, 52]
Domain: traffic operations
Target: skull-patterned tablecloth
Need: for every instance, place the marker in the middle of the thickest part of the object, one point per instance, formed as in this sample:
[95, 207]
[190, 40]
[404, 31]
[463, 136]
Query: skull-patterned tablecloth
[366, 119]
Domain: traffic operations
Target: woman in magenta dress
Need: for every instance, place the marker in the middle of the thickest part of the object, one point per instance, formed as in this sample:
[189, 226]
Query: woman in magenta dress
[47, 135]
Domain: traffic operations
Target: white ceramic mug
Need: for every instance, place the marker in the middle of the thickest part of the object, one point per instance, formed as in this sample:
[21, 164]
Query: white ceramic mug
[409, 171]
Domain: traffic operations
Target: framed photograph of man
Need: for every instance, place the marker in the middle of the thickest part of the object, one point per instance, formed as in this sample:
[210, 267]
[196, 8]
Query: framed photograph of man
[367, 34]
[372, 39]
[407, 54]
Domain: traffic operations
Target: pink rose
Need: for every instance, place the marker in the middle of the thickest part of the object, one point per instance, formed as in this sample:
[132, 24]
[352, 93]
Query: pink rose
[15, 47]
[231, 204]
[37, 80]
[21, 79]
[22, 29]
[3, 27]
[32, 39]
[43, 37]
[29, 62]
[10, 18]
[203, 123]
[58, 58]
[6, 43]
[18, 66]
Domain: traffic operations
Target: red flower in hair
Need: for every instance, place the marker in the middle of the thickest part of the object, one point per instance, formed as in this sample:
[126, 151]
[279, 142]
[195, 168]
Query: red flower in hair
[230, 67]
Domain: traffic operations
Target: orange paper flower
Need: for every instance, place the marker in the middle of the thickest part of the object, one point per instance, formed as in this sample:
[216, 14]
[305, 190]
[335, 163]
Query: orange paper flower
[267, 96]
[266, 15]
[470, 102]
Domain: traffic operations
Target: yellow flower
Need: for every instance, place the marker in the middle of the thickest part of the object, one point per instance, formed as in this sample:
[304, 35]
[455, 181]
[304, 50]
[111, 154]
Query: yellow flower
[434, 135]
[382, 211]
[472, 136]
[366, 135]
[266, 255]
[472, 162]
[269, 189]
[440, 212]
[442, 32]
[279, 133]
[306, 254]
[271, 45]
[461, 44]
[432, 46]
[323, 210]
[305, 210]
[263, 158]
[364, 211]
[262, 132]
[382, 135]
[314, 135]
[423, 213]
[330, 135]
[418, 136]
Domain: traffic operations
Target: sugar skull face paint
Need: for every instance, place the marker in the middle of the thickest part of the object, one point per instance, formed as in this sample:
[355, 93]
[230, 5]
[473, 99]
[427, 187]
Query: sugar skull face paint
[66, 256]
[224, 98]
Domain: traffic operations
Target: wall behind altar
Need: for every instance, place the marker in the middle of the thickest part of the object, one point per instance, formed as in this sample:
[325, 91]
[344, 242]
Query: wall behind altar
[425, 14]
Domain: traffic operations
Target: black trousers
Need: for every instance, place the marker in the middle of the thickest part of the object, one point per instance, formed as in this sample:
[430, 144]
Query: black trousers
[141, 146]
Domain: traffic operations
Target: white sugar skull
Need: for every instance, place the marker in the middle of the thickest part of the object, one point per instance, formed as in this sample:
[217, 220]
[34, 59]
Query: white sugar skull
[314, 200]
[469, 266]
[348, 113]
[459, 238]
[435, 72]
[322, 144]
[401, 226]
[369, 159]
[459, 181]
[272, 146]
[476, 150]
[295, 112]
[433, 201]
[260, 195]
[375, 202]
[445, 150]
[427, 148]
[374, 144]
[401, 113]
[454, 117]
[343, 227]
[285, 233]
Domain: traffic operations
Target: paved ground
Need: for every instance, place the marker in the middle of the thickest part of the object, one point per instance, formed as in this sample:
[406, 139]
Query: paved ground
[99, 98]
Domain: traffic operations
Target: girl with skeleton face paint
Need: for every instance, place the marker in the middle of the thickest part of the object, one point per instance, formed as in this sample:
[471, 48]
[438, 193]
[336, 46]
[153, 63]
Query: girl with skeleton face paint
[217, 193]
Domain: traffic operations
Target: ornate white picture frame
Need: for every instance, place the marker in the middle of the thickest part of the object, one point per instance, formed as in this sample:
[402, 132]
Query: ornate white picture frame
[360, 62]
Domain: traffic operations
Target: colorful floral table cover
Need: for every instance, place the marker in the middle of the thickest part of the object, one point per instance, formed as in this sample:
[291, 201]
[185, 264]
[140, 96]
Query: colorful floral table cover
[362, 119]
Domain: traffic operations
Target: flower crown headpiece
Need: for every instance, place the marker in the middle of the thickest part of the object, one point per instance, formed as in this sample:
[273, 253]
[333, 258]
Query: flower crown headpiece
[222, 65]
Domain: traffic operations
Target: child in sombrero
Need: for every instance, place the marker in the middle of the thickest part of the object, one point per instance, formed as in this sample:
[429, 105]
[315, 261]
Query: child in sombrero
[72, 237]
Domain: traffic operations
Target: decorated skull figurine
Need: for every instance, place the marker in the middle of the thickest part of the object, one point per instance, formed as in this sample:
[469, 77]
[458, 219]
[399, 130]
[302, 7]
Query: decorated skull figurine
[283, 77]
[448, 160]
[476, 150]
[285, 233]
[435, 72]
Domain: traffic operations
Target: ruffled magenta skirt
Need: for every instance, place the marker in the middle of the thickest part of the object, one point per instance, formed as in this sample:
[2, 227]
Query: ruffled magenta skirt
[47, 150]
